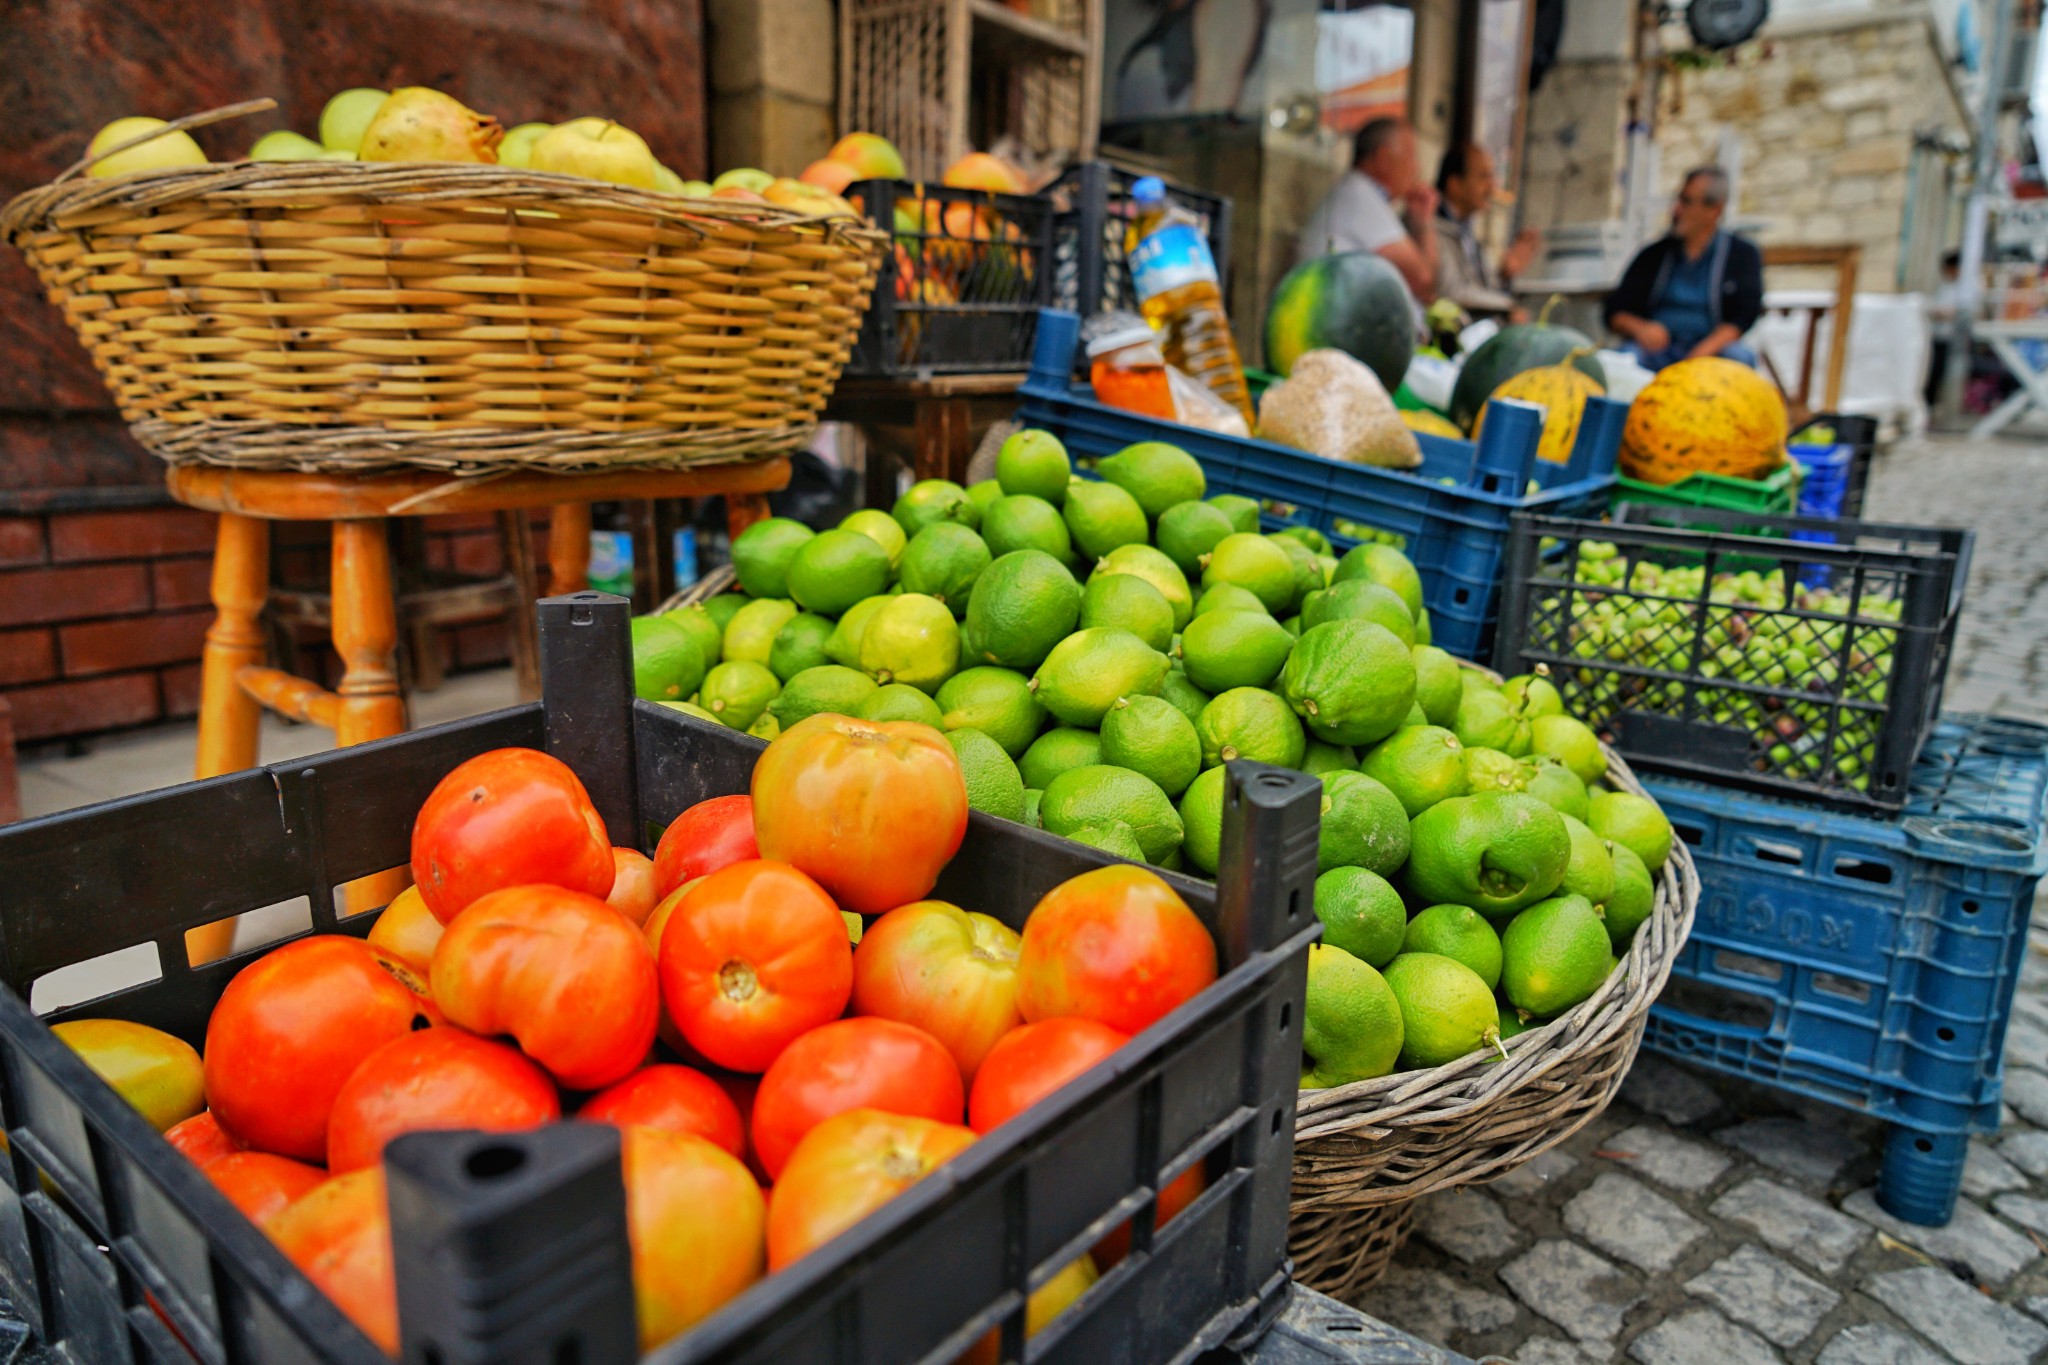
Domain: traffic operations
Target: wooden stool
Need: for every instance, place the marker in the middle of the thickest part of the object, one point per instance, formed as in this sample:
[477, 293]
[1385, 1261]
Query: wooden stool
[234, 682]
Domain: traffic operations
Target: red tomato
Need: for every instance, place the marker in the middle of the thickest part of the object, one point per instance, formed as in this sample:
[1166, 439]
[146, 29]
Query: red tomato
[339, 1234]
[202, 1139]
[852, 1064]
[1031, 1062]
[632, 884]
[291, 1028]
[511, 817]
[435, 1079]
[872, 810]
[407, 930]
[951, 972]
[709, 835]
[565, 974]
[260, 1184]
[846, 1168]
[675, 1099]
[754, 955]
[696, 1220]
[1116, 945]
[1178, 1194]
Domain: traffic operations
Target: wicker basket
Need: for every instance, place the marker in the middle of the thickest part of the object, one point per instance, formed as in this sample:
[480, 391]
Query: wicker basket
[345, 316]
[1364, 1151]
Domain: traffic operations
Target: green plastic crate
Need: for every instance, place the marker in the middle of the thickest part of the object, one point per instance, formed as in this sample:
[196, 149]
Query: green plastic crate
[1774, 496]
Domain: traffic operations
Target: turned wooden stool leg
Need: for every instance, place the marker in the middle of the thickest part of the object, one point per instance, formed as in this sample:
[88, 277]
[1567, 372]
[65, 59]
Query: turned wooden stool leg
[568, 548]
[228, 716]
[366, 638]
[521, 628]
[743, 510]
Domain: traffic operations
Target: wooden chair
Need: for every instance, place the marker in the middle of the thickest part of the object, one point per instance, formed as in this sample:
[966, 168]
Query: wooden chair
[235, 682]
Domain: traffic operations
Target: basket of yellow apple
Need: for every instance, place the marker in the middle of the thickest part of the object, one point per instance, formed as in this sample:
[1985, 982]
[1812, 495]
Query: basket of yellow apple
[419, 287]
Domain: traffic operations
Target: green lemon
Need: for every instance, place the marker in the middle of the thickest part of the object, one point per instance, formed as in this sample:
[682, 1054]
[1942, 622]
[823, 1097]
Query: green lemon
[1459, 933]
[993, 786]
[1490, 770]
[1472, 680]
[722, 608]
[1150, 736]
[1422, 627]
[1184, 694]
[710, 637]
[667, 664]
[944, 561]
[1437, 686]
[1633, 821]
[1158, 475]
[1201, 813]
[828, 687]
[1094, 794]
[1224, 649]
[1318, 544]
[1495, 852]
[996, 701]
[1416, 716]
[1553, 955]
[738, 691]
[1557, 787]
[1386, 566]
[1156, 569]
[1125, 601]
[799, 645]
[1350, 1021]
[835, 569]
[1022, 605]
[1486, 720]
[1571, 743]
[1057, 750]
[900, 702]
[879, 527]
[1189, 530]
[1101, 516]
[1242, 511]
[1510, 1022]
[750, 635]
[1590, 870]
[842, 646]
[1363, 826]
[1308, 572]
[1087, 672]
[984, 494]
[1228, 597]
[762, 554]
[1111, 836]
[1361, 601]
[1361, 913]
[1421, 765]
[1032, 796]
[911, 639]
[1632, 899]
[1255, 564]
[1351, 682]
[765, 726]
[1018, 521]
[1035, 464]
[1323, 758]
[1533, 696]
[1447, 1012]
[1251, 723]
[934, 500]
[690, 708]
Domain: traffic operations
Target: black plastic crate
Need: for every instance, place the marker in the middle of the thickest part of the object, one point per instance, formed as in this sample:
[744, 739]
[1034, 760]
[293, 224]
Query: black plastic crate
[1807, 661]
[100, 1218]
[961, 283]
[1092, 269]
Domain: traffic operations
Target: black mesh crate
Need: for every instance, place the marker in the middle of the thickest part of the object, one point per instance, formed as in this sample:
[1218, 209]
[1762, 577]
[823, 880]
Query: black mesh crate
[508, 1247]
[961, 283]
[1807, 661]
[1092, 269]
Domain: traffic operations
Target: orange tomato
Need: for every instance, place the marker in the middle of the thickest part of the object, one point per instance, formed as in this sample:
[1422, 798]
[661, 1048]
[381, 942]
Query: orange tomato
[1116, 945]
[753, 956]
[510, 817]
[872, 810]
[852, 1064]
[846, 1168]
[436, 1078]
[293, 1026]
[1031, 1062]
[202, 1139]
[675, 1099]
[1178, 1194]
[951, 972]
[339, 1234]
[260, 1184]
[632, 892]
[407, 930]
[696, 1221]
[709, 835]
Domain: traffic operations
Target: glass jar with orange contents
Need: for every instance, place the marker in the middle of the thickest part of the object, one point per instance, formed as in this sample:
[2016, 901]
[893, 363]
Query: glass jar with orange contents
[1126, 366]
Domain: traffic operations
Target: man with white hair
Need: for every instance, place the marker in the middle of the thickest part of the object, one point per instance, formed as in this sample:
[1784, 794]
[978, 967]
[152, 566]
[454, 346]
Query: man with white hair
[1695, 291]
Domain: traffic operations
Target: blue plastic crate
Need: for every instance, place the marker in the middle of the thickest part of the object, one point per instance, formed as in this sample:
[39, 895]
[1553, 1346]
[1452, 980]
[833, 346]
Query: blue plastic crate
[1868, 961]
[1450, 516]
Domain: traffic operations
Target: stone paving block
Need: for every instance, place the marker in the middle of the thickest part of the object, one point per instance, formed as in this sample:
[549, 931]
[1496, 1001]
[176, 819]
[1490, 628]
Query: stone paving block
[1468, 1224]
[2026, 1094]
[1536, 1174]
[1434, 1306]
[1672, 1093]
[1564, 1283]
[1701, 1337]
[2028, 1151]
[1627, 1218]
[1993, 1252]
[1871, 1343]
[1985, 1172]
[1545, 1351]
[1666, 1158]
[1804, 1151]
[1766, 1294]
[2038, 1306]
[1793, 1223]
[2023, 1209]
[1973, 1328]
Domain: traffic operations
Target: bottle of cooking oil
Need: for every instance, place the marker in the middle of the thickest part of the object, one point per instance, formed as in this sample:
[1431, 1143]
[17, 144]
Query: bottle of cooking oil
[1179, 294]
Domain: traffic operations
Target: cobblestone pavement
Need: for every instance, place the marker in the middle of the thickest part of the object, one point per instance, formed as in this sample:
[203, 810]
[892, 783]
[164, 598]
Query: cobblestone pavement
[1705, 1221]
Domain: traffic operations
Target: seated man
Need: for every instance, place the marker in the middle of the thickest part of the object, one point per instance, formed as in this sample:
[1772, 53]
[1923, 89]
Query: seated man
[1365, 208]
[1465, 188]
[1694, 292]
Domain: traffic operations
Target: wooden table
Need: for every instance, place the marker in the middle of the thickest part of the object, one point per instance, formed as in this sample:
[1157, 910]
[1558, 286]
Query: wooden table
[938, 414]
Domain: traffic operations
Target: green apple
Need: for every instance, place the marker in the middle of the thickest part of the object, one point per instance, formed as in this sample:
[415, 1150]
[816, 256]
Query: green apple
[745, 178]
[666, 180]
[596, 149]
[285, 145]
[696, 189]
[517, 148]
[346, 115]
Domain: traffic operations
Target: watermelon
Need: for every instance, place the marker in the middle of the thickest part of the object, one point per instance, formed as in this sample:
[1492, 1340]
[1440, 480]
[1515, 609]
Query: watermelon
[1511, 350]
[1353, 302]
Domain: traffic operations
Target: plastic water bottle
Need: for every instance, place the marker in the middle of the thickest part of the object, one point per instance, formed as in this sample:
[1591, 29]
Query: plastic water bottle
[1179, 294]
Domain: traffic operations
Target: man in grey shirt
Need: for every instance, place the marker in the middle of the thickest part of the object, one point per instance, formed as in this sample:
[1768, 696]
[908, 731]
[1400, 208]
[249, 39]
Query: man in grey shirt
[1363, 210]
[1464, 275]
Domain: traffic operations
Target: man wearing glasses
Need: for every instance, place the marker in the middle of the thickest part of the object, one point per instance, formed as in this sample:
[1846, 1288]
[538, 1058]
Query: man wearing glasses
[1695, 291]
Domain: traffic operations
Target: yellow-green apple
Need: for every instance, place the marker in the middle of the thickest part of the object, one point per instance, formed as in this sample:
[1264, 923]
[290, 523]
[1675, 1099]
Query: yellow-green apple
[168, 152]
[286, 145]
[517, 148]
[345, 117]
[599, 150]
[666, 180]
[745, 177]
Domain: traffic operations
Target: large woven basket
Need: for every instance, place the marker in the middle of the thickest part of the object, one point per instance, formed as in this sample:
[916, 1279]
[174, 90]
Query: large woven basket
[1363, 1152]
[347, 316]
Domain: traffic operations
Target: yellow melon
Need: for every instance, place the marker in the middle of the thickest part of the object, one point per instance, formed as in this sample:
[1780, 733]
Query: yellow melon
[1709, 416]
[1422, 419]
[1561, 391]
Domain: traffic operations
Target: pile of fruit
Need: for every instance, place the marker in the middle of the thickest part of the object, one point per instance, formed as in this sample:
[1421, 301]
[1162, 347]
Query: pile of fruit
[1096, 649]
[801, 1081]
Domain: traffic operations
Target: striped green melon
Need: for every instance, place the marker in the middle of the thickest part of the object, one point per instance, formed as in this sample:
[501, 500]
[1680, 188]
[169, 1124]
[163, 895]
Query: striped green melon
[1354, 302]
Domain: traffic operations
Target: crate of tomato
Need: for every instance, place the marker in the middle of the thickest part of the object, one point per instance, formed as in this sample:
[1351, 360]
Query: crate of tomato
[1112, 1181]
